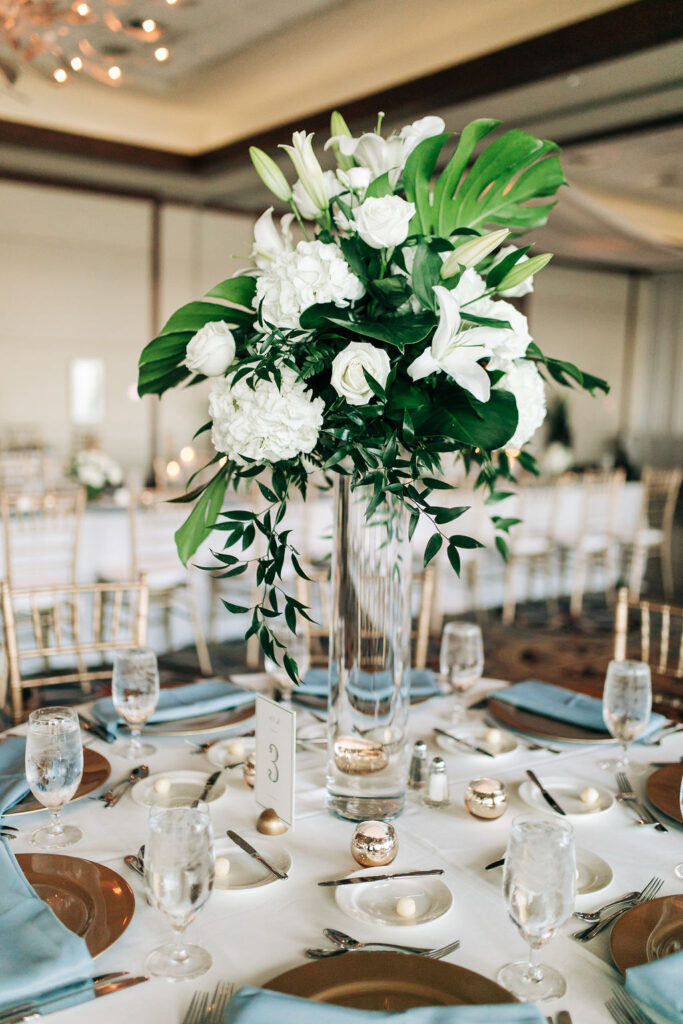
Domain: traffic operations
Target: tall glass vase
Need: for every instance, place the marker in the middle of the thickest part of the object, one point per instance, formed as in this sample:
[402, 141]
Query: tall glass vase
[369, 657]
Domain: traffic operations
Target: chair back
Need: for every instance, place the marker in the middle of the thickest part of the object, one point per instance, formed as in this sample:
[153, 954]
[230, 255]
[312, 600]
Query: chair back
[69, 629]
[152, 527]
[660, 494]
[41, 533]
[661, 634]
[600, 505]
[23, 469]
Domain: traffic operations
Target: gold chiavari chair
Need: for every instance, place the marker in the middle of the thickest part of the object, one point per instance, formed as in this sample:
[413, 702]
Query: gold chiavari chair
[170, 584]
[41, 533]
[531, 544]
[659, 643]
[653, 533]
[23, 469]
[87, 621]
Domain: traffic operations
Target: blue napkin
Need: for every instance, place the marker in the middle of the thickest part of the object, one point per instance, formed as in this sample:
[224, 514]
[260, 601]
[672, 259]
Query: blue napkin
[564, 705]
[373, 685]
[38, 953]
[256, 1006]
[181, 702]
[13, 784]
[659, 985]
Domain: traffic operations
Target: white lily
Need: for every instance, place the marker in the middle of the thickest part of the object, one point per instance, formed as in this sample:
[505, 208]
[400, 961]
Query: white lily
[472, 252]
[269, 243]
[374, 152]
[307, 167]
[270, 174]
[456, 352]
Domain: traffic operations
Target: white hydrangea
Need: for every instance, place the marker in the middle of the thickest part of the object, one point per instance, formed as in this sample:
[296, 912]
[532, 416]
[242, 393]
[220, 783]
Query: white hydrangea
[96, 469]
[313, 272]
[507, 344]
[265, 423]
[524, 381]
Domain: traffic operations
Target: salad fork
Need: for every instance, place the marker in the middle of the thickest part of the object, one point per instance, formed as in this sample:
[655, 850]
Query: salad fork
[196, 1009]
[626, 795]
[648, 893]
[625, 1010]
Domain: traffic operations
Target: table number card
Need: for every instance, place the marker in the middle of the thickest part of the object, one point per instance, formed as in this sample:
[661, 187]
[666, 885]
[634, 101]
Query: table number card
[275, 757]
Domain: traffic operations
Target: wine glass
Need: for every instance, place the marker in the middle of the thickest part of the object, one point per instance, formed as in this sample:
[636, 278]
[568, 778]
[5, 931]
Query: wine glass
[54, 766]
[461, 660]
[626, 707]
[135, 692]
[539, 884]
[179, 874]
[678, 870]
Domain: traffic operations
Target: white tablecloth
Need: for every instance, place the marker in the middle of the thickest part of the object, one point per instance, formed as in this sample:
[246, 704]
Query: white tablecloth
[255, 935]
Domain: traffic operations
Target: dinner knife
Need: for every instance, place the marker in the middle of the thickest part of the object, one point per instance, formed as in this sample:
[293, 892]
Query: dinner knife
[544, 793]
[495, 864]
[379, 878]
[103, 985]
[248, 848]
[464, 743]
[95, 729]
[209, 784]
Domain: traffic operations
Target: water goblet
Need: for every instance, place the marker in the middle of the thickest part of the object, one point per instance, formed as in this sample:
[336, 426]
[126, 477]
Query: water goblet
[135, 692]
[461, 660]
[539, 885]
[626, 707]
[54, 766]
[179, 875]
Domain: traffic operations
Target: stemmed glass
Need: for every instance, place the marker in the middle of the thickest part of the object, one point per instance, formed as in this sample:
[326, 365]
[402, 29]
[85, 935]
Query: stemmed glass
[135, 692]
[461, 661]
[626, 707]
[179, 874]
[54, 766]
[539, 884]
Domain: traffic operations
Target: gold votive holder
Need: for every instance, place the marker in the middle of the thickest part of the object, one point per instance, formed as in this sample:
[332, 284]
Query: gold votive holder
[249, 770]
[374, 843]
[486, 799]
[354, 755]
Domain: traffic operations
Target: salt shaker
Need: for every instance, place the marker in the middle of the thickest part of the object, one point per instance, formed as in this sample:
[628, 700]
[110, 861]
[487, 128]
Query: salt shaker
[437, 785]
[417, 773]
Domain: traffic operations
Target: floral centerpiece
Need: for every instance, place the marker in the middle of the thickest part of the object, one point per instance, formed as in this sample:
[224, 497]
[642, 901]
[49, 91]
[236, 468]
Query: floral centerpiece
[373, 341]
[95, 470]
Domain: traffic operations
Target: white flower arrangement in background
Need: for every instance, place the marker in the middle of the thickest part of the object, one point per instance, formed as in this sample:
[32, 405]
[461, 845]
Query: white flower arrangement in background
[95, 470]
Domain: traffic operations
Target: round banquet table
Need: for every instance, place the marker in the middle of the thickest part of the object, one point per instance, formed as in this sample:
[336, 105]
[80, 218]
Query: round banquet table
[255, 935]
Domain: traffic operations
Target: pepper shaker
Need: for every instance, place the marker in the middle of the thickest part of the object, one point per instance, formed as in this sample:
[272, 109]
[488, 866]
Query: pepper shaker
[417, 773]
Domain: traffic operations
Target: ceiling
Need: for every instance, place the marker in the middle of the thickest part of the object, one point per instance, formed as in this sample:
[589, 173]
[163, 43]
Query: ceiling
[601, 77]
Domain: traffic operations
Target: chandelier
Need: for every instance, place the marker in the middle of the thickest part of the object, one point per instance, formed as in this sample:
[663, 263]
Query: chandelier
[104, 39]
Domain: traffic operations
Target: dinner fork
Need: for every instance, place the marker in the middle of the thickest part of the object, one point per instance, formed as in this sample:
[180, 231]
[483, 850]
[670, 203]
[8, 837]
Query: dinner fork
[625, 1010]
[595, 915]
[648, 893]
[221, 995]
[196, 1009]
[626, 795]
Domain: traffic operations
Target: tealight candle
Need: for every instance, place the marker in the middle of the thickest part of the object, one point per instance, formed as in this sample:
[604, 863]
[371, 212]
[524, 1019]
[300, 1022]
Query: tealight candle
[374, 843]
[486, 798]
[354, 755]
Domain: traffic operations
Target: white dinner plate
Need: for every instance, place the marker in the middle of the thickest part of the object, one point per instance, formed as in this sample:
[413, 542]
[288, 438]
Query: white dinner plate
[187, 785]
[246, 872]
[376, 901]
[567, 793]
[222, 755]
[593, 873]
[476, 733]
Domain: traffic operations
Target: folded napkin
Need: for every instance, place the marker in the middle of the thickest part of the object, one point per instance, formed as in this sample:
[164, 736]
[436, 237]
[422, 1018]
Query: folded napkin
[659, 985]
[565, 705]
[38, 953]
[373, 685]
[181, 702]
[256, 1006]
[13, 784]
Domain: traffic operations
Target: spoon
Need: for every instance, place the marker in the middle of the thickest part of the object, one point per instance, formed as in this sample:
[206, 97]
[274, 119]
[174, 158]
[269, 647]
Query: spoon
[134, 864]
[347, 942]
[113, 795]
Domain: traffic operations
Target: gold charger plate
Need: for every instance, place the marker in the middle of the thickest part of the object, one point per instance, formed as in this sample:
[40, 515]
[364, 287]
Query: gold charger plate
[196, 724]
[663, 788]
[539, 725]
[388, 981]
[89, 899]
[635, 929]
[96, 771]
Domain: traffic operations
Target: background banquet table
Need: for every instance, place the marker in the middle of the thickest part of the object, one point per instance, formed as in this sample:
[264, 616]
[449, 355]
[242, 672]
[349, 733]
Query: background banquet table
[256, 935]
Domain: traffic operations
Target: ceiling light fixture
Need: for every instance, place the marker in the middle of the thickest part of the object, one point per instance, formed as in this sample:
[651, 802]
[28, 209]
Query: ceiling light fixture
[52, 35]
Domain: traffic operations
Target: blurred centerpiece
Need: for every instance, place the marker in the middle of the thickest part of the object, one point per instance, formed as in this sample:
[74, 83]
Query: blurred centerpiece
[372, 336]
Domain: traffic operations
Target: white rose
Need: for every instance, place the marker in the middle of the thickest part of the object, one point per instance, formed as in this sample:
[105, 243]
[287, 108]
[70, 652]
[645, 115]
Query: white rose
[211, 350]
[348, 379]
[264, 423]
[524, 381]
[384, 222]
[525, 287]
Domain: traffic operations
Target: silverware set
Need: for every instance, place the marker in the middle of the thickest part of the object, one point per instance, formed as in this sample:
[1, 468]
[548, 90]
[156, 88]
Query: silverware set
[627, 796]
[208, 1009]
[625, 1010]
[648, 893]
[103, 985]
[344, 943]
[115, 792]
